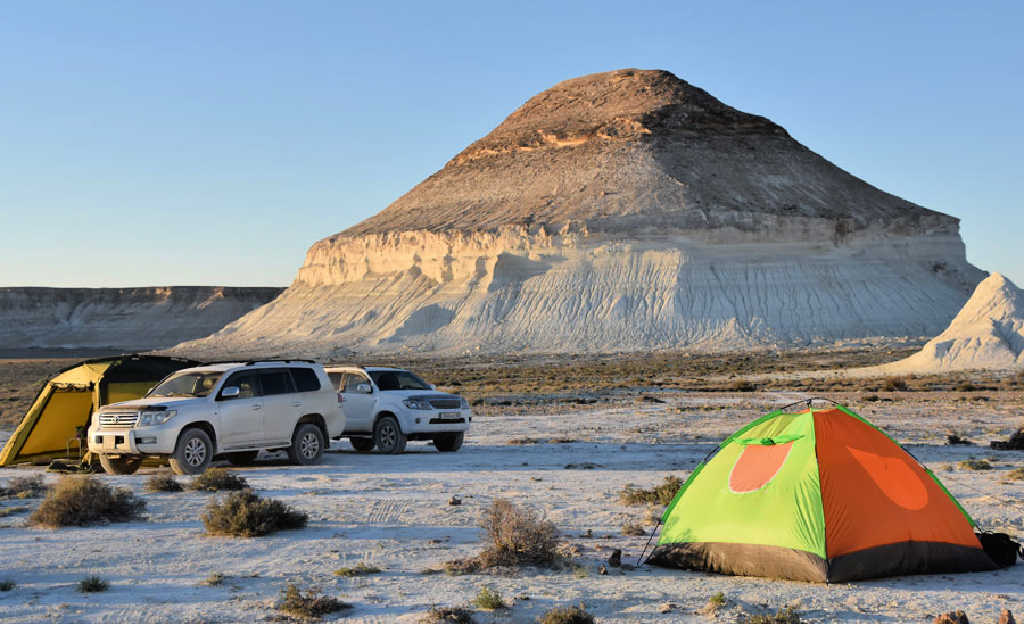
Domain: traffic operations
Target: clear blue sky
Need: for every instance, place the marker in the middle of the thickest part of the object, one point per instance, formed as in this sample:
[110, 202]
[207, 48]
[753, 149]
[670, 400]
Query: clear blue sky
[211, 142]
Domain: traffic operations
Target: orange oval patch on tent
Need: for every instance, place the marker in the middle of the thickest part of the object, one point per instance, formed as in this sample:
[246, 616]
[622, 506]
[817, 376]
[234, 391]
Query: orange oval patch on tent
[894, 477]
[757, 465]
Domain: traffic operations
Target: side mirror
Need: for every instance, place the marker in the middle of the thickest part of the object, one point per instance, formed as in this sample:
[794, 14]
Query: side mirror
[364, 388]
[230, 392]
[432, 386]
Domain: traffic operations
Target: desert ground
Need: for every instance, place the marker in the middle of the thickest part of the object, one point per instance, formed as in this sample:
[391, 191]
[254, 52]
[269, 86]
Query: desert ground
[563, 436]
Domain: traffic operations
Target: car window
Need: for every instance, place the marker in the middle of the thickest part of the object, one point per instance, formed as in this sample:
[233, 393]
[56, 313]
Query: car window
[248, 384]
[335, 380]
[351, 381]
[187, 384]
[276, 382]
[305, 379]
[398, 380]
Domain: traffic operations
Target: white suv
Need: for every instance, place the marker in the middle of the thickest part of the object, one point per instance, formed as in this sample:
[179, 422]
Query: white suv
[231, 409]
[385, 407]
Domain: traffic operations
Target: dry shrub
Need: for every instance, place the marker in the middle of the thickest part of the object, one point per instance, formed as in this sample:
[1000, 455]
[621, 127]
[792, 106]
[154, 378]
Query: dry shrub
[715, 604]
[567, 615]
[782, 616]
[895, 384]
[24, 487]
[359, 569]
[661, 494]
[81, 501]
[517, 537]
[1017, 474]
[974, 464]
[244, 514]
[743, 386]
[163, 481]
[308, 604]
[218, 480]
[634, 529]
[447, 615]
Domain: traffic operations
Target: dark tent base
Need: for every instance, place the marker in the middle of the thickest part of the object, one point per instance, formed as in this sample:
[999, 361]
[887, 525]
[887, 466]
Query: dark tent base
[774, 562]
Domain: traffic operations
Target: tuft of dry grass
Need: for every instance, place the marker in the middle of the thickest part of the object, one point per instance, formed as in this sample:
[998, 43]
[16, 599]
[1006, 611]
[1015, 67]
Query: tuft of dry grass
[359, 569]
[309, 604]
[974, 464]
[92, 584]
[447, 615]
[661, 494]
[218, 480]
[895, 384]
[1017, 474]
[84, 500]
[24, 487]
[633, 529]
[244, 514]
[163, 481]
[216, 578]
[715, 604]
[567, 615]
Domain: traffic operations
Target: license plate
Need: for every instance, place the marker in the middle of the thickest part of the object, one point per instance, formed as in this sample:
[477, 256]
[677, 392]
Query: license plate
[450, 415]
[108, 442]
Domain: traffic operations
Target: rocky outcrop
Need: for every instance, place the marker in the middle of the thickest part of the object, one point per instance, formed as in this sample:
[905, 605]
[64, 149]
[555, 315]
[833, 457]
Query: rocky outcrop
[621, 211]
[988, 333]
[129, 319]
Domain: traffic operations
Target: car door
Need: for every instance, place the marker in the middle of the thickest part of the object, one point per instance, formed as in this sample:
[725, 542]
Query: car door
[282, 406]
[241, 416]
[358, 406]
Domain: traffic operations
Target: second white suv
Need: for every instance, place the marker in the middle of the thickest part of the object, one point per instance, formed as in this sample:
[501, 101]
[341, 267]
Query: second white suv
[231, 409]
[386, 407]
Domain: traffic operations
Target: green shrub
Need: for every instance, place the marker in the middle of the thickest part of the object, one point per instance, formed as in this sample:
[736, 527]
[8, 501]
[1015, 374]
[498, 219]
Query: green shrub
[308, 604]
[660, 494]
[715, 603]
[163, 481]
[974, 464]
[244, 514]
[214, 579]
[92, 584]
[359, 569]
[782, 616]
[81, 501]
[218, 480]
[567, 615]
[488, 599]
[24, 487]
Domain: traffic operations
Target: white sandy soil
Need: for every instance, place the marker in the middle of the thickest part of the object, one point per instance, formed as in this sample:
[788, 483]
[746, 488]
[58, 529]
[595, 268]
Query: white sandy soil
[393, 512]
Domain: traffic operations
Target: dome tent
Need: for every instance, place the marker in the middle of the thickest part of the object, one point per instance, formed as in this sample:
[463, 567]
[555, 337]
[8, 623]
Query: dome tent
[820, 496]
[69, 398]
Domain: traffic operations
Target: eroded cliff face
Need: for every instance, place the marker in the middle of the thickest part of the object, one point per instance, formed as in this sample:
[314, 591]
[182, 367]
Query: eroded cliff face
[130, 319]
[619, 212]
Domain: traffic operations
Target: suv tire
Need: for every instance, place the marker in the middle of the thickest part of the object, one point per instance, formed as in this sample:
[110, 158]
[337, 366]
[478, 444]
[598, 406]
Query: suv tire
[193, 453]
[363, 445]
[120, 465]
[449, 442]
[388, 436]
[241, 458]
[307, 445]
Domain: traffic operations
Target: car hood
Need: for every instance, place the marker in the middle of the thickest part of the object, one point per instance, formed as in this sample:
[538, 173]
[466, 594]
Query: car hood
[171, 402]
[419, 394]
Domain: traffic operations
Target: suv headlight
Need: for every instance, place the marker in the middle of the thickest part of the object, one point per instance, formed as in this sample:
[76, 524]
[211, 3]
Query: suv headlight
[155, 417]
[417, 404]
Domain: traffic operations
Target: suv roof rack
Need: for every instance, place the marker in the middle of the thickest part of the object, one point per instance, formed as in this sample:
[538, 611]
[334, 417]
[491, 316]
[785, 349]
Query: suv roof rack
[252, 362]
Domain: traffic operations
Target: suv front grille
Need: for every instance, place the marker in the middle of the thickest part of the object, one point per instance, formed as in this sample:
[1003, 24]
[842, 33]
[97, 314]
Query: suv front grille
[445, 404]
[119, 419]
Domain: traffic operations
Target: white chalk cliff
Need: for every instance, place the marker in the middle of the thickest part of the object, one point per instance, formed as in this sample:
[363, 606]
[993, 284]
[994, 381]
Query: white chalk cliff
[621, 211]
[988, 333]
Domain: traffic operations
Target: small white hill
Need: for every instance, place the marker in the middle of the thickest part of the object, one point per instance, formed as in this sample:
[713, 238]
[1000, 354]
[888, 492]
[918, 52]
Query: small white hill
[988, 333]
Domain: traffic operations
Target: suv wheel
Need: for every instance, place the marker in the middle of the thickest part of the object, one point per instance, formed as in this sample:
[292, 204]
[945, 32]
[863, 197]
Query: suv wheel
[120, 465]
[449, 442]
[307, 445]
[193, 453]
[241, 458]
[388, 436]
[363, 445]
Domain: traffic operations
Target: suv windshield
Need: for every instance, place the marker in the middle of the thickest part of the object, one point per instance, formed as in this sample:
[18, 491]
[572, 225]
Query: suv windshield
[187, 384]
[398, 380]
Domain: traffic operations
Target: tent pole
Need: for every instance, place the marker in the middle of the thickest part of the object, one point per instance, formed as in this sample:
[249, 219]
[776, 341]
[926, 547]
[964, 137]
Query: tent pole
[644, 551]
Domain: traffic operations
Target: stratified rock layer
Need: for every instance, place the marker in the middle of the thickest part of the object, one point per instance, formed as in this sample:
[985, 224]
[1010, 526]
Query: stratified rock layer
[130, 319]
[988, 333]
[622, 211]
